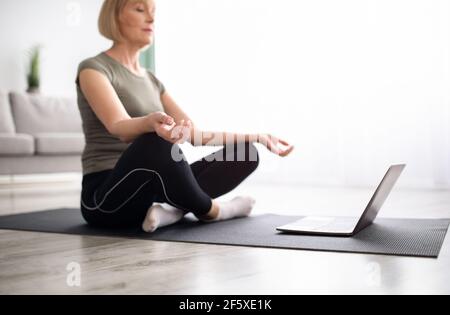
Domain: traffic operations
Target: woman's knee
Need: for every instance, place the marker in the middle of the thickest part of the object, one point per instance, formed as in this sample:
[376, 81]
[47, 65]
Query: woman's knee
[151, 138]
[151, 144]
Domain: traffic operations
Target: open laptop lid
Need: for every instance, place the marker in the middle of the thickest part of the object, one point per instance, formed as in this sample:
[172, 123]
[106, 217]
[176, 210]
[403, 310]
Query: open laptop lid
[379, 197]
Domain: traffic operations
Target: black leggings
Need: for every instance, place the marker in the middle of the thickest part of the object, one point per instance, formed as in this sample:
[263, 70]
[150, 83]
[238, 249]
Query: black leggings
[154, 170]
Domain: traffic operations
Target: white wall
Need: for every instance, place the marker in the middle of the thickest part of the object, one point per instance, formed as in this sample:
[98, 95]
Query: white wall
[66, 29]
[355, 84]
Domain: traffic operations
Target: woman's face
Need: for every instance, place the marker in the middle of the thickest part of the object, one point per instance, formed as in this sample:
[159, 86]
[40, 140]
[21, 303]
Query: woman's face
[137, 22]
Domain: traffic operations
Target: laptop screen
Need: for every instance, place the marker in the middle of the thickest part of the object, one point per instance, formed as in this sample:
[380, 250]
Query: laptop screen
[380, 196]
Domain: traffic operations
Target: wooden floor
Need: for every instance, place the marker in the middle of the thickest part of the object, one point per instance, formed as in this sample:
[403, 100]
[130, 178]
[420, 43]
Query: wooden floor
[36, 262]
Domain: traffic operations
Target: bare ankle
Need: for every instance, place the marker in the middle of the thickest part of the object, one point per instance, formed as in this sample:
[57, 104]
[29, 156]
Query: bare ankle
[212, 214]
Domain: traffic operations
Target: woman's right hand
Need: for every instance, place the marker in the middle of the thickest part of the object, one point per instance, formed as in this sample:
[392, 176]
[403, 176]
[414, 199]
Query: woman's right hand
[272, 143]
[166, 127]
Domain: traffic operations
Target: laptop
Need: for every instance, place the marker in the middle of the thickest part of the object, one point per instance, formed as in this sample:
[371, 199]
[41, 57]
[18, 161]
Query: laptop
[344, 226]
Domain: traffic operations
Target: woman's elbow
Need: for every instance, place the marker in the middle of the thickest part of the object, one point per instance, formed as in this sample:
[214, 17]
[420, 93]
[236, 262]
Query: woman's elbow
[119, 136]
[112, 131]
[126, 140]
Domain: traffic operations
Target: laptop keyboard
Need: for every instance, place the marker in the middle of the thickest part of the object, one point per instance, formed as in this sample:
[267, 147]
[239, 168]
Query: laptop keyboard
[319, 223]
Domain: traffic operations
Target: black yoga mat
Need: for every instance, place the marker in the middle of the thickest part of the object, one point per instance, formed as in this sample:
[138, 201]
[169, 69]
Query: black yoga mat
[401, 237]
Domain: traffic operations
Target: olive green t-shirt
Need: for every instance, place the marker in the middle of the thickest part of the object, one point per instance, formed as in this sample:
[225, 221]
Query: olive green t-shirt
[140, 95]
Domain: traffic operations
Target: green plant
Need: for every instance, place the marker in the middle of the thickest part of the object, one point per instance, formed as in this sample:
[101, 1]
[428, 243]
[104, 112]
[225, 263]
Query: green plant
[33, 76]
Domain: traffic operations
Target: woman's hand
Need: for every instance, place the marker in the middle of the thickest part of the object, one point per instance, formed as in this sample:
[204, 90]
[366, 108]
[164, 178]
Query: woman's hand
[158, 118]
[166, 127]
[272, 143]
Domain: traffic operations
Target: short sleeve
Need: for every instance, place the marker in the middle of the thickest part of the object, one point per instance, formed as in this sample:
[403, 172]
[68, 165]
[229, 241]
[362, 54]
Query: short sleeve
[94, 64]
[158, 83]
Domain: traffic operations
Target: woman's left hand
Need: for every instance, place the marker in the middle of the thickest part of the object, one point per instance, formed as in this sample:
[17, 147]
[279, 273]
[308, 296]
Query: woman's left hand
[272, 143]
[176, 133]
[182, 132]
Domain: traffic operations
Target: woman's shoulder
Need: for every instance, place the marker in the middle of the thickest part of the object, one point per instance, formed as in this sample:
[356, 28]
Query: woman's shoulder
[96, 62]
[156, 81]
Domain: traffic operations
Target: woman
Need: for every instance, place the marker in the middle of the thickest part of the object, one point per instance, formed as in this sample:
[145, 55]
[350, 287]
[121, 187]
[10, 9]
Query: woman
[134, 172]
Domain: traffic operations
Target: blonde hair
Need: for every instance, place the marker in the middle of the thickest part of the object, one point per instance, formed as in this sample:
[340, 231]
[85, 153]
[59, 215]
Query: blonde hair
[108, 21]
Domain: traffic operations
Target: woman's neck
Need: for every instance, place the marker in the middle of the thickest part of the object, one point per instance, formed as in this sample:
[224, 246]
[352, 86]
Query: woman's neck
[126, 55]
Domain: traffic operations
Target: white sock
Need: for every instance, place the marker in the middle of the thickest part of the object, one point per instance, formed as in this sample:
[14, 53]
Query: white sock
[240, 206]
[160, 215]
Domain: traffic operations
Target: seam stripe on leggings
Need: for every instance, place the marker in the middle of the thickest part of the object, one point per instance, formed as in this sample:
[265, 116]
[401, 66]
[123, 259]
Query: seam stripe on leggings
[97, 206]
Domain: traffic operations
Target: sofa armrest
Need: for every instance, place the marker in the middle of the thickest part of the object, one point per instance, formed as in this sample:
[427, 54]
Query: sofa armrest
[59, 143]
[16, 144]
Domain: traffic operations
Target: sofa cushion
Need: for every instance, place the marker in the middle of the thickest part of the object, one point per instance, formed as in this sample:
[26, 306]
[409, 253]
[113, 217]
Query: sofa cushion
[16, 144]
[59, 143]
[34, 113]
[40, 164]
[6, 119]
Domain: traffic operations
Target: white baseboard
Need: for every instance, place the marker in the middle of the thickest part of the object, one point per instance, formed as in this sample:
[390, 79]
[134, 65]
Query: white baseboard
[38, 179]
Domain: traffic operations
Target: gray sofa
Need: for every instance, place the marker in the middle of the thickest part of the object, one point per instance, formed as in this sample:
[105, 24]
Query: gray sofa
[39, 134]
